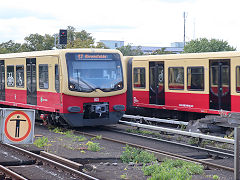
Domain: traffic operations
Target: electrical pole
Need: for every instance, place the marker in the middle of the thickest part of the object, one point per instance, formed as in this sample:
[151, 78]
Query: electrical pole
[184, 29]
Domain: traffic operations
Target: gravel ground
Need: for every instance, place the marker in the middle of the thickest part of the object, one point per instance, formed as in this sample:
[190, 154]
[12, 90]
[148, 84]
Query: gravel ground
[106, 163]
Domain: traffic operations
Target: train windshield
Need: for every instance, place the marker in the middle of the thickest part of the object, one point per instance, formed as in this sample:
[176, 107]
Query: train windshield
[90, 71]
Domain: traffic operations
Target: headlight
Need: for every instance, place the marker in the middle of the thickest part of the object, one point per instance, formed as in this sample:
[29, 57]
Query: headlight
[71, 87]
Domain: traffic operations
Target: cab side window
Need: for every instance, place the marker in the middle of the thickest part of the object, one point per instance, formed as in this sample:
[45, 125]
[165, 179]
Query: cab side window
[43, 76]
[238, 79]
[57, 82]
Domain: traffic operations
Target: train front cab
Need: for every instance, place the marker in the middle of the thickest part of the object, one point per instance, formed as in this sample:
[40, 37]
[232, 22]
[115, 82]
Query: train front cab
[202, 83]
[95, 87]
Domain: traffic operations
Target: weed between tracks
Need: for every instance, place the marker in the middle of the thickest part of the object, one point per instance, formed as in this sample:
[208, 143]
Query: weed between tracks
[90, 146]
[41, 142]
[136, 155]
[172, 169]
[167, 170]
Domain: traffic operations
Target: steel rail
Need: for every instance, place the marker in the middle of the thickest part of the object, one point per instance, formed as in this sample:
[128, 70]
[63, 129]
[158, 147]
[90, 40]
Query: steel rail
[49, 161]
[127, 116]
[214, 151]
[11, 173]
[184, 133]
[161, 152]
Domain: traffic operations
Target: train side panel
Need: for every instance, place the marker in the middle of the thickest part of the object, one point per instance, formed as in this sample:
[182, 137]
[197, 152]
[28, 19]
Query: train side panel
[235, 84]
[169, 82]
[48, 99]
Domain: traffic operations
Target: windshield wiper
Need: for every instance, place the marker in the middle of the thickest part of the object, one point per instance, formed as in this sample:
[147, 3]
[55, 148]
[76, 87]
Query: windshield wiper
[80, 80]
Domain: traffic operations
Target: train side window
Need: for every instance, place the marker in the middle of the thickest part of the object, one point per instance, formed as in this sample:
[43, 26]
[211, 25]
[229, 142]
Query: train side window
[57, 83]
[139, 78]
[43, 76]
[10, 76]
[20, 76]
[195, 78]
[176, 78]
[238, 79]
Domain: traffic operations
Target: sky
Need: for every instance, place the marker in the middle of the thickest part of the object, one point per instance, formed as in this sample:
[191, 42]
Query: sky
[136, 22]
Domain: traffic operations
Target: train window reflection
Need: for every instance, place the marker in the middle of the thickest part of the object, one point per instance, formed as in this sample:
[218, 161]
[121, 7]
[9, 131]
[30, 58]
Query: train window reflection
[87, 75]
[10, 76]
[176, 78]
[57, 82]
[238, 79]
[139, 77]
[195, 78]
[43, 76]
[20, 76]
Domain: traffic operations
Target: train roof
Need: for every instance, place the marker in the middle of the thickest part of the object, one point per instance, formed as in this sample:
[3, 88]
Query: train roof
[209, 55]
[54, 52]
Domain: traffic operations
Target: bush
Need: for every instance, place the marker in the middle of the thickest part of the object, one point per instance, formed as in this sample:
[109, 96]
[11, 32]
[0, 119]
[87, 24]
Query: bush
[136, 155]
[172, 170]
[91, 146]
[41, 142]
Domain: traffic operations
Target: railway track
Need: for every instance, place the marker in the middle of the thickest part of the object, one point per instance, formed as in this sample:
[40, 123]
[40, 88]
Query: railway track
[170, 130]
[150, 120]
[166, 154]
[63, 166]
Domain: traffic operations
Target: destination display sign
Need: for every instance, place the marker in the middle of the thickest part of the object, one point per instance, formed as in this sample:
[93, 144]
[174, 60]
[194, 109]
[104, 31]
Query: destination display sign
[93, 56]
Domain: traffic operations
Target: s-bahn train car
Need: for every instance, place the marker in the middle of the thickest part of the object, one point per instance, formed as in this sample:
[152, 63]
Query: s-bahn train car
[184, 85]
[78, 87]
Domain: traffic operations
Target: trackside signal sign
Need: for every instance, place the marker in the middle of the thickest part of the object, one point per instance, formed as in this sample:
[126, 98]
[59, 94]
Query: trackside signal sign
[17, 126]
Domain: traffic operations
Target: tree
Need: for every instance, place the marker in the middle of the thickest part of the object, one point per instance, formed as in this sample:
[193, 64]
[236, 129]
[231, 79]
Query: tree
[205, 45]
[37, 42]
[81, 39]
[130, 51]
[101, 45]
[10, 47]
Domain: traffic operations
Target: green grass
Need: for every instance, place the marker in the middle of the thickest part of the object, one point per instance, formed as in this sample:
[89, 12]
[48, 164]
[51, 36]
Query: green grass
[91, 146]
[69, 134]
[136, 155]
[193, 141]
[96, 138]
[41, 142]
[215, 177]
[137, 131]
[172, 170]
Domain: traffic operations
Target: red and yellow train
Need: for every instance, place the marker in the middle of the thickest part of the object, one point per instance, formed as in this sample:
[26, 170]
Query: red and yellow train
[80, 87]
[188, 84]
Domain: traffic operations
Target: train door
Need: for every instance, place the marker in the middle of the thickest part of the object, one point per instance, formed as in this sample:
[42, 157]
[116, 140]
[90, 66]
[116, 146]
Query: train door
[156, 83]
[2, 80]
[219, 96]
[31, 81]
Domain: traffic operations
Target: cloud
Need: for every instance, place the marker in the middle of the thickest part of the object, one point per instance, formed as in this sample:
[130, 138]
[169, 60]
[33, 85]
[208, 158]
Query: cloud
[141, 22]
[23, 13]
[18, 28]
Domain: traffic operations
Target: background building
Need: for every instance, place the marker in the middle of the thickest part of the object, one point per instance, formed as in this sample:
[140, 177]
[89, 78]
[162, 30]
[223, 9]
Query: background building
[149, 49]
[176, 47]
[177, 44]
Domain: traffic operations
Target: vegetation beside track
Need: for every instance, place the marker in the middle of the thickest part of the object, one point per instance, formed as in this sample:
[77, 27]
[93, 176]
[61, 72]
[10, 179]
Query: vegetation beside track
[167, 170]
